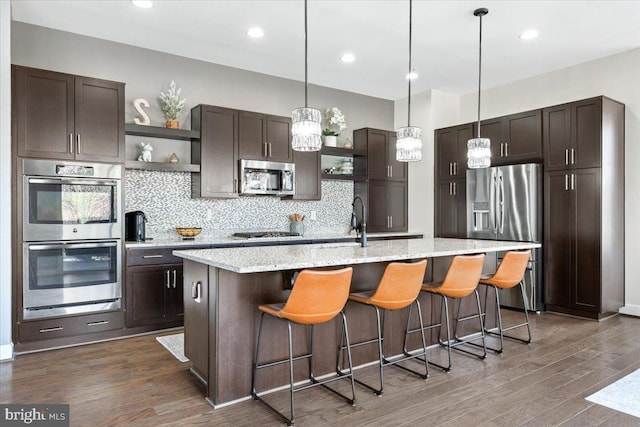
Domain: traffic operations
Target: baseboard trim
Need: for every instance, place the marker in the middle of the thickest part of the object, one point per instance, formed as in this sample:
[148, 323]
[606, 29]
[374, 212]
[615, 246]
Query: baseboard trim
[6, 351]
[631, 310]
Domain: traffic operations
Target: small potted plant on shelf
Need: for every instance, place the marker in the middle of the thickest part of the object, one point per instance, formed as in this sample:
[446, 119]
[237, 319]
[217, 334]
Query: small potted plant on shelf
[334, 120]
[172, 105]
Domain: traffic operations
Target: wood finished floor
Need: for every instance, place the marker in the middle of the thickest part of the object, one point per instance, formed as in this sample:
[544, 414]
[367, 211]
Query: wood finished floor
[136, 382]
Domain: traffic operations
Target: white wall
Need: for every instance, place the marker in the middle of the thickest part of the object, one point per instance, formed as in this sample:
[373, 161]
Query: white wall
[6, 347]
[617, 77]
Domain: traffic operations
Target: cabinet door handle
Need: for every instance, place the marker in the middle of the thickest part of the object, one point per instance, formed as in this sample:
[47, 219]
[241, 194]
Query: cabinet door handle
[270, 150]
[573, 182]
[196, 290]
[450, 190]
[167, 282]
[506, 149]
[566, 182]
[455, 168]
[566, 156]
[501, 149]
[98, 323]
[455, 189]
[450, 169]
[55, 328]
[152, 256]
[391, 221]
[175, 274]
[573, 156]
[71, 143]
[78, 143]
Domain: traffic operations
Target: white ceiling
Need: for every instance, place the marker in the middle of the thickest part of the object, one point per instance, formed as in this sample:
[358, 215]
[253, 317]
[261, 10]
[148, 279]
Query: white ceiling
[445, 37]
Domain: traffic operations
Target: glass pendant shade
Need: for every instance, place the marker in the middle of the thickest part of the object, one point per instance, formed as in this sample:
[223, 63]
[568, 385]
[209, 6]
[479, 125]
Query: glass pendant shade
[306, 128]
[409, 144]
[478, 153]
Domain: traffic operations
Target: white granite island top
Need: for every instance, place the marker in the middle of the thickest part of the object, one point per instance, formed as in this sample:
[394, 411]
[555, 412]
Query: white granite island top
[294, 257]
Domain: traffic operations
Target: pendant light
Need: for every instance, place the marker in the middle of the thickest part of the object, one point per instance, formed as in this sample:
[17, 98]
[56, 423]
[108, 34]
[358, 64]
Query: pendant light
[479, 149]
[306, 123]
[408, 142]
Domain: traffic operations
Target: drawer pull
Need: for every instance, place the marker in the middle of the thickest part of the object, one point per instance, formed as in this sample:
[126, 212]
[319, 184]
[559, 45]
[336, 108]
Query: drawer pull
[55, 328]
[152, 256]
[98, 322]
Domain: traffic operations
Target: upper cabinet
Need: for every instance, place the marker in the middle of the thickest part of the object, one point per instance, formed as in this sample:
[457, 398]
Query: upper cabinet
[215, 151]
[381, 154]
[67, 117]
[572, 135]
[264, 137]
[516, 138]
[451, 151]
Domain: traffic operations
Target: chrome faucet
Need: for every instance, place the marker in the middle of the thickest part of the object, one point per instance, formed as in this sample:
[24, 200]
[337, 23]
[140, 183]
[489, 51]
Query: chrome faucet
[362, 227]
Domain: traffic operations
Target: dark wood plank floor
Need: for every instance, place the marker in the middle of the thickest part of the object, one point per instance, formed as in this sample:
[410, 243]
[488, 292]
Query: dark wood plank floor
[136, 382]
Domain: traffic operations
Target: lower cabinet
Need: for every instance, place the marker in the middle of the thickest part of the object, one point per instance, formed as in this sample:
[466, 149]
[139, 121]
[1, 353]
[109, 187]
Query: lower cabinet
[154, 295]
[387, 208]
[450, 208]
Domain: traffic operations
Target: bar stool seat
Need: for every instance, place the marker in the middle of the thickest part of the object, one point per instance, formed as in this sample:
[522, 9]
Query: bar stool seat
[461, 281]
[509, 274]
[398, 288]
[317, 297]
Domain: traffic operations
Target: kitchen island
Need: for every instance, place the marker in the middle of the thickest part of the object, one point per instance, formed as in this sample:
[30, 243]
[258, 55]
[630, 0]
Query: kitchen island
[223, 287]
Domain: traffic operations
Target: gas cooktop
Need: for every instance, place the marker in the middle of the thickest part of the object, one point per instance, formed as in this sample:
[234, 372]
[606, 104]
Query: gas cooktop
[259, 234]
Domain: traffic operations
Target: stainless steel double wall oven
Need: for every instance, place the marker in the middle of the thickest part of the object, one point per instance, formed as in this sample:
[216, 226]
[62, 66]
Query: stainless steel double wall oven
[72, 237]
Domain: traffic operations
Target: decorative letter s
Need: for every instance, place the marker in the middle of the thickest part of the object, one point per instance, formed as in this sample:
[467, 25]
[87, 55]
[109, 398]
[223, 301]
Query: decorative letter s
[145, 118]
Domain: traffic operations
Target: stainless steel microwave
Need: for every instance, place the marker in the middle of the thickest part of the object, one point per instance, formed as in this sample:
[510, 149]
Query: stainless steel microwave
[267, 178]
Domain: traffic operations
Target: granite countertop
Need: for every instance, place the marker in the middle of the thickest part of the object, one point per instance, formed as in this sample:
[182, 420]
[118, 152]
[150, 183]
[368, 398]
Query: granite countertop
[293, 257]
[234, 241]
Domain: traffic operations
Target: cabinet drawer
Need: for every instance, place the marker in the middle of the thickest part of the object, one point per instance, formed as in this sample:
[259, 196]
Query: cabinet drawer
[69, 326]
[152, 256]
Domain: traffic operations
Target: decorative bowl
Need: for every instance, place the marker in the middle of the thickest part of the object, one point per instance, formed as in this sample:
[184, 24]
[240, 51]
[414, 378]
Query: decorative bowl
[188, 232]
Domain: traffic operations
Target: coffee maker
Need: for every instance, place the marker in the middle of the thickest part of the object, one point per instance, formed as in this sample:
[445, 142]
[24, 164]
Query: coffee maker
[134, 226]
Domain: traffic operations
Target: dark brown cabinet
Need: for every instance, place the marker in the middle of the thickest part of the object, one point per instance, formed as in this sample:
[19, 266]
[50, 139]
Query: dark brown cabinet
[381, 154]
[516, 138]
[450, 193]
[308, 185]
[387, 206]
[154, 295]
[451, 151]
[62, 116]
[450, 213]
[215, 151]
[264, 137]
[584, 207]
[572, 135]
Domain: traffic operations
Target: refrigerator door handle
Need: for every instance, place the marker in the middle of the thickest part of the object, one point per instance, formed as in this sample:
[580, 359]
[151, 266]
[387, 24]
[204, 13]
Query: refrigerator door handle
[494, 200]
[501, 203]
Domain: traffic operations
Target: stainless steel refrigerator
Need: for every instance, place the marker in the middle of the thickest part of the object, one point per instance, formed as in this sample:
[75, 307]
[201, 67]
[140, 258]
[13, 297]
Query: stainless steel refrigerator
[505, 203]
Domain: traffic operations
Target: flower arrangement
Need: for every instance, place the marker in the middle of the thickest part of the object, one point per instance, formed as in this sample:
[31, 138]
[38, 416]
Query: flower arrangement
[334, 119]
[172, 105]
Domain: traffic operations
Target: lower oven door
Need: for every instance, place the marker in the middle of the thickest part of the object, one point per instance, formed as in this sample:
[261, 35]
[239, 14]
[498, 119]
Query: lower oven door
[59, 277]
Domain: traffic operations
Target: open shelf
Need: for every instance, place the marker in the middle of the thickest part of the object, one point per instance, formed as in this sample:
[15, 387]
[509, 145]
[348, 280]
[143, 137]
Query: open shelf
[342, 152]
[161, 166]
[160, 132]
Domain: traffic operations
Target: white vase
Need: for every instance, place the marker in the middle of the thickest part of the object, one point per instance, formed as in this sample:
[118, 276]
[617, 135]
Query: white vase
[330, 140]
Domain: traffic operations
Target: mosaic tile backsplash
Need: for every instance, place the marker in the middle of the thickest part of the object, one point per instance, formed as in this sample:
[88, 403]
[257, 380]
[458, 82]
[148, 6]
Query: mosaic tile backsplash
[165, 198]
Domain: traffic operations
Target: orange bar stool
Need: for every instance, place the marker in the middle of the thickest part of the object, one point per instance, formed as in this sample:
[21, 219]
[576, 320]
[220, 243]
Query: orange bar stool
[399, 287]
[509, 274]
[316, 297]
[461, 281]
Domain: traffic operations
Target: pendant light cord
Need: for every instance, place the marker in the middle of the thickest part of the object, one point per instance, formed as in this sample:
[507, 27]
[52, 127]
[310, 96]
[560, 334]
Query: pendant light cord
[409, 95]
[479, 13]
[305, 54]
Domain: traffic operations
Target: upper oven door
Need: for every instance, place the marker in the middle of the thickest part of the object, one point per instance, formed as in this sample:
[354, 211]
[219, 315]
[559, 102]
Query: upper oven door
[58, 208]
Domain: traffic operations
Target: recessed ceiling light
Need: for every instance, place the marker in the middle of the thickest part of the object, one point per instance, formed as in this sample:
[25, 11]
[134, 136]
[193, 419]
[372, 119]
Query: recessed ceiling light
[412, 75]
[347, 57]
[255, 32]
[145, 4]
[529, 34]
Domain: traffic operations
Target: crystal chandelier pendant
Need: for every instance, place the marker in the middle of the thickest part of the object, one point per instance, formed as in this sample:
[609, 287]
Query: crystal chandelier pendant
[306, 129]
[478, 153]
[409, 144]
